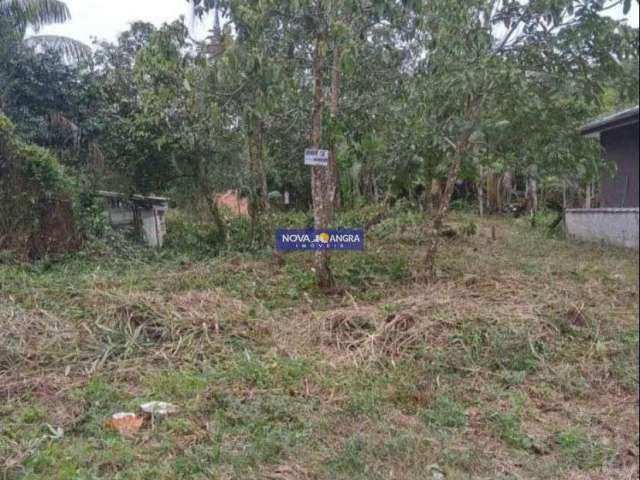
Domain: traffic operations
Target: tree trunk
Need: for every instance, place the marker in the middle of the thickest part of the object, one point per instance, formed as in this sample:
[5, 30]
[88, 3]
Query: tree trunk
[436, 194]
[262, 171]
[441, 213]
[428, 182]
[445, 200]
[333, 108]
[376, 191]
[216, 215]
[480, 188]
[443, 209]
[257, 170]
[208, 194]
[532, 194]
[321, 177]
[492, 192]
[507, 187]
[587, 196]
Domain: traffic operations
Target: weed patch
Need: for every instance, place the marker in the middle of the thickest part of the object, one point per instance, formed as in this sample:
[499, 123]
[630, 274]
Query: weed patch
[445, 413]
[521, 359]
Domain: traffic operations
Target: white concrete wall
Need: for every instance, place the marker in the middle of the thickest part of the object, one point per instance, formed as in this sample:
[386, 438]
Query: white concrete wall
[150, 228]
[120, 216]
[151, 217]
[153, 225]
[613, 226]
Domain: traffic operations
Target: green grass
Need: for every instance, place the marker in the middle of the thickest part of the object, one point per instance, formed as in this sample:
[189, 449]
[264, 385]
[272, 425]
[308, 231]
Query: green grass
[445, 413]
[509, 429]
[489, 374]
[581, 450]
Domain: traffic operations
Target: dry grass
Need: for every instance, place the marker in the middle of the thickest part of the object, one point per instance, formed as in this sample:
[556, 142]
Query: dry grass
[520, 361]
[369, 338]
[124, 330]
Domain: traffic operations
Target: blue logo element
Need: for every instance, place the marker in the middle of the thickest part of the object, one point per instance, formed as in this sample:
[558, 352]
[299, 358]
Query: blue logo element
[311, 239]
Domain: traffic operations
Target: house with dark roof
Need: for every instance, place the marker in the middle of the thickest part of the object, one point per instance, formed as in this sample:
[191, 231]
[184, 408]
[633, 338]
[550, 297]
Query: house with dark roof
[615, 222]
[618, 135]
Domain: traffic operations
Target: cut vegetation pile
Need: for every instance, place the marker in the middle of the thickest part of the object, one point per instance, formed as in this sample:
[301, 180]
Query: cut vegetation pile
[520, 362]
[125, 329]
[369, 338]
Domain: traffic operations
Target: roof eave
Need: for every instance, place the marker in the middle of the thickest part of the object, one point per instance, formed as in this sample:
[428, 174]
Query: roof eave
[618, 120]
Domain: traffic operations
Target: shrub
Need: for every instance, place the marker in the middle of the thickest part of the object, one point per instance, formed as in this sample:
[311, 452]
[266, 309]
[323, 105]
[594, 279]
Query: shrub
[90, 215]
[192, 235]
[39, 167]
[197, 235]
[37, 217]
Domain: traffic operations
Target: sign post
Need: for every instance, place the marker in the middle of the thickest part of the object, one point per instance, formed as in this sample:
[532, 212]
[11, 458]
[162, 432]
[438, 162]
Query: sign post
[316, 157]
[311, 239]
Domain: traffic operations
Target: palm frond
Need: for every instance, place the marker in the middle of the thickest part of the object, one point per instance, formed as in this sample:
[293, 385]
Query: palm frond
[63, 124]
[35, 13]
[69, 48]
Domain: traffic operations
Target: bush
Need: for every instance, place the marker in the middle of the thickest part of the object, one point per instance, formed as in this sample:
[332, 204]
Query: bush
[191, 235]
[37, 217]
[43, 170]
[90, 215]
[194, 234]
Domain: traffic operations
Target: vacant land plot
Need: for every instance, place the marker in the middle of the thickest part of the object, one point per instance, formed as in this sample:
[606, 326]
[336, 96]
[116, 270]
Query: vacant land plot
[520, 362]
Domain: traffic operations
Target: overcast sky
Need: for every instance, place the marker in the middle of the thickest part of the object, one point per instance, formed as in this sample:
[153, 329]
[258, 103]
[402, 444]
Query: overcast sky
[105, 20]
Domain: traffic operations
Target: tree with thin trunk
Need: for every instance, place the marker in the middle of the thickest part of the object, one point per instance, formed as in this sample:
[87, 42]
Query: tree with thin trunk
[321, 177]
[484, 58]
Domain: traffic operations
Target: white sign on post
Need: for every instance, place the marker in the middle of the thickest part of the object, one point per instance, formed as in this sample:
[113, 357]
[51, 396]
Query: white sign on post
[316, 157]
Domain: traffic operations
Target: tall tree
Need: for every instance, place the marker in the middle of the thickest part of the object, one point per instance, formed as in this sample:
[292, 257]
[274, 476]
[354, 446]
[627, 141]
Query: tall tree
[479, 54]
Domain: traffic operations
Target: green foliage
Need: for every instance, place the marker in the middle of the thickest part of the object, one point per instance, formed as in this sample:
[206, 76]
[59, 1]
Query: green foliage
[357, 217]
[581, 450]
[18, 16]
[41, 168]
[350, 461]
[508, 426]
[362, 269]
[6, 129]
[469, 229]
[445, 413]
[197, 234]
[92, 221]
[36, 212]
[265, 395]
[462, 205]
[158, 112]
[188, 235]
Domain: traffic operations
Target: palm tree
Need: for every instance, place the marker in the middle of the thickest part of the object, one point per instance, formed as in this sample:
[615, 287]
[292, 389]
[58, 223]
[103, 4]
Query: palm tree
[19, 15]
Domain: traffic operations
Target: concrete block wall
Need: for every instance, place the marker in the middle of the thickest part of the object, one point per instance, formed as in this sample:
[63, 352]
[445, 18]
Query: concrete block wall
[612, 226]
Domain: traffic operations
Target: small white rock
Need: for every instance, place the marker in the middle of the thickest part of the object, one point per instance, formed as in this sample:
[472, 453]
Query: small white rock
[159, 408]
[436, 472]
[121, 415]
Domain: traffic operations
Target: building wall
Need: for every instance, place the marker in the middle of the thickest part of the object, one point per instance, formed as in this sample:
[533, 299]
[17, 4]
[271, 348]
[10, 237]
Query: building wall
[612, 226]
[120, 216]
[621, 146]
[151, 218]
[153, 225]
